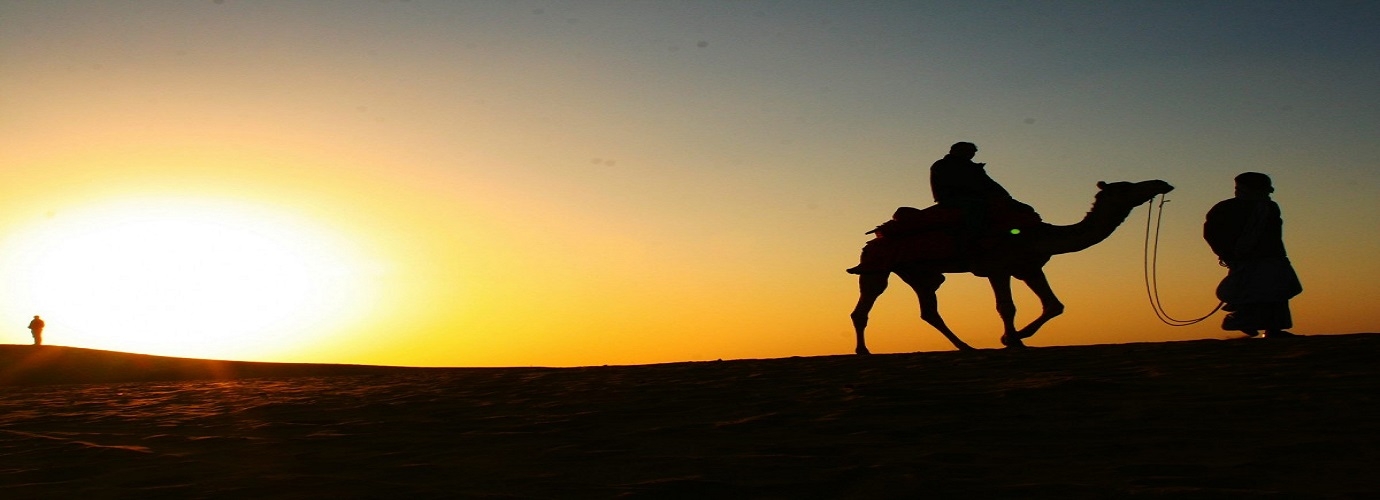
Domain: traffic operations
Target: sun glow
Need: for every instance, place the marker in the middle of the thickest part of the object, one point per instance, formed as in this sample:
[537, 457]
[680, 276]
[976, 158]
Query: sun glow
[184, 277]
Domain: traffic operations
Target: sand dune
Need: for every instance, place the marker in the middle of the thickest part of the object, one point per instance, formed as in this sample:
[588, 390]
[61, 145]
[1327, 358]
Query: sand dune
[1285, 418]
[38, 365]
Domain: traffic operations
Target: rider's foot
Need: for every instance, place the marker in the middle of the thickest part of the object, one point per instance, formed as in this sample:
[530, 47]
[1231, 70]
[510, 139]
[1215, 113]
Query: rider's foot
[861, 269]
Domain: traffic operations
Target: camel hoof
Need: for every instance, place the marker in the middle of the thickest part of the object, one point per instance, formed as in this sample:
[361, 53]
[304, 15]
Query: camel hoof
[965, 347]
[1012, 342]
[862, 351]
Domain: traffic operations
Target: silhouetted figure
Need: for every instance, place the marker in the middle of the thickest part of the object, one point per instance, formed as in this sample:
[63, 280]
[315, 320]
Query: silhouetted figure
[976, 214]
[920, 253]
[957, 181]
[1247, 234]
[36, 328]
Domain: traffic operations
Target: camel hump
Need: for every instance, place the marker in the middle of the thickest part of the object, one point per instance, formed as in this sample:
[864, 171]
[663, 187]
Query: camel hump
[1001, 213]
[1012, 214]
[932, 233]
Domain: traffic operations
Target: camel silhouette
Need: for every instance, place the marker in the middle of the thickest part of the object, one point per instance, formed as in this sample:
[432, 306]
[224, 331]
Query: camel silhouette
[1022, 257]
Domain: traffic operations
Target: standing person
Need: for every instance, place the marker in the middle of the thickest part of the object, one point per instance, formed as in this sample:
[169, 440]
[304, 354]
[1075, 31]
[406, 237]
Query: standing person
[1246, 233]
[36, 328]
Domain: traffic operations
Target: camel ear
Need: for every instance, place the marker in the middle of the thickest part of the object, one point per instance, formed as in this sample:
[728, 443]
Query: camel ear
[1101, 185]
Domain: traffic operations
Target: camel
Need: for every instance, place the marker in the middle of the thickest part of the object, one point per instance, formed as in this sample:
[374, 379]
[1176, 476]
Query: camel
[1022, 257]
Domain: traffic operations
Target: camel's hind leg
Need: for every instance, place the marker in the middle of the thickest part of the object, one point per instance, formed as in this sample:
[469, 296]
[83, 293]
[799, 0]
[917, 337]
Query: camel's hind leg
[870, 286]
[926, 286]
[1049, 303]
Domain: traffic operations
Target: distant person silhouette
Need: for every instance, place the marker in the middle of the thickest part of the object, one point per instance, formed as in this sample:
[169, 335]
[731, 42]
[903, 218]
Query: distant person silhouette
[36, 328]
[1247, 234]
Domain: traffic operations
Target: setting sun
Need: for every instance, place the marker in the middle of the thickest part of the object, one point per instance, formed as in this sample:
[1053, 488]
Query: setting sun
[193, 277]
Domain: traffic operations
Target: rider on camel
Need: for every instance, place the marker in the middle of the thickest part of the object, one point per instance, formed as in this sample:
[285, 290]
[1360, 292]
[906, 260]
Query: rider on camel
[972, 201]
[958, 182]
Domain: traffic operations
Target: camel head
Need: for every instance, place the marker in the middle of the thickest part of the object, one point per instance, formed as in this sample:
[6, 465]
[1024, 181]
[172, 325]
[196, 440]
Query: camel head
[1128, 195]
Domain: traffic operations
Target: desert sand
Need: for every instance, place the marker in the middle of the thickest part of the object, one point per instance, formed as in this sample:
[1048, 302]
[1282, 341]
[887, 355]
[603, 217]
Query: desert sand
[1247, 418]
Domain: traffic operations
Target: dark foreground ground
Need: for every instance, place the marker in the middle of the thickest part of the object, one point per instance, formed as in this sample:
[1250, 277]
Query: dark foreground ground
[1284, 418]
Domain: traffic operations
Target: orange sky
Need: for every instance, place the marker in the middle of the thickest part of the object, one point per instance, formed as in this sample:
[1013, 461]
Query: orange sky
[500, 184]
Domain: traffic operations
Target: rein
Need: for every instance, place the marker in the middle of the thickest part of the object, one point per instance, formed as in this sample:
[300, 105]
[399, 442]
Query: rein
[1151, 264]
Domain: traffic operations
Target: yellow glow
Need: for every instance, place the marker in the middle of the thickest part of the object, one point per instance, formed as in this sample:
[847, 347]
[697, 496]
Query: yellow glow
[187, 277]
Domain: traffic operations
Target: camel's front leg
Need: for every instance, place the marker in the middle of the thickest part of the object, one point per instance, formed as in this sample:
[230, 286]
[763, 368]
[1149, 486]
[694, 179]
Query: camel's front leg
[926, 287]
[1006, 308]
[870, 286]
[1049, 303]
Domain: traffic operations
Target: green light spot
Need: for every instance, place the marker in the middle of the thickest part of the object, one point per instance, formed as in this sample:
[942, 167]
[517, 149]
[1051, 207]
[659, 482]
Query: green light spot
[1015, 231]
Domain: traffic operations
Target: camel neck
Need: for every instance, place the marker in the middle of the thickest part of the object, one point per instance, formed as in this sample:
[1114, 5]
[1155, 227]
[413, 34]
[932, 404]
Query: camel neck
[1095, 227]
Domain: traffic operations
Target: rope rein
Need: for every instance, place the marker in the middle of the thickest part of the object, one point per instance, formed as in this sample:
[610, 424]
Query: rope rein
[1151, 265]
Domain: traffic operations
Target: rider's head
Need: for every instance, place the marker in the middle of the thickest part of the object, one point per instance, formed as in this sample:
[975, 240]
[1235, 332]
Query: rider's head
[964, 150]
[1254, 182]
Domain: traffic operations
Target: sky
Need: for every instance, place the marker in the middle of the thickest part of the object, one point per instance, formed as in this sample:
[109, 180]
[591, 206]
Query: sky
[518, 183]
